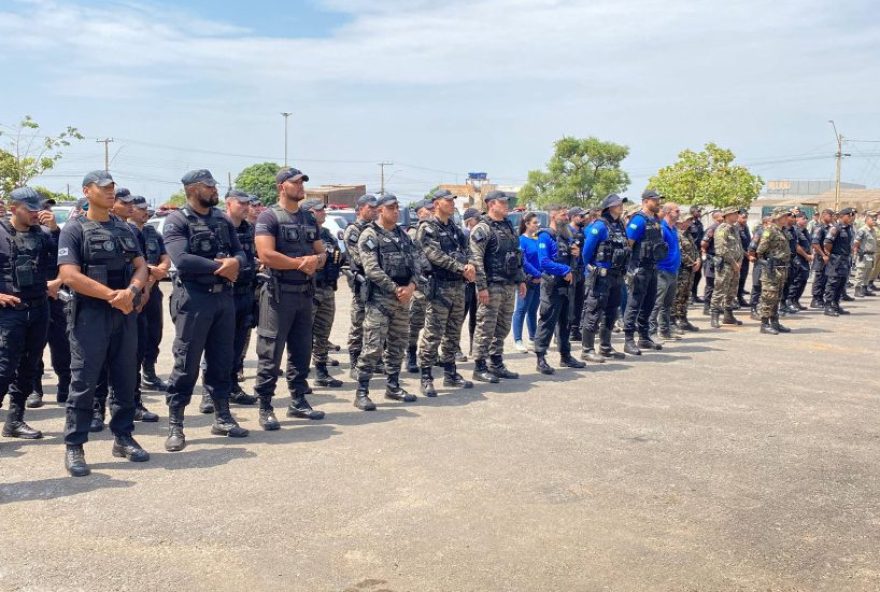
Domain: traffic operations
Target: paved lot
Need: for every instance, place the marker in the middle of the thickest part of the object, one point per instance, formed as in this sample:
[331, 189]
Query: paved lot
[728, 461]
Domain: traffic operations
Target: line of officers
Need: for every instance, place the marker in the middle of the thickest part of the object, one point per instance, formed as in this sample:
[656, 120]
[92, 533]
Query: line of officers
[98, 278]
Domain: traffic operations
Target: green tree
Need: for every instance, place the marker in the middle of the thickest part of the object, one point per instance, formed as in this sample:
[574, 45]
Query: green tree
[581, 172]
[28, 154]
[708, 177]
[178, 199]
[259, 179]
[49, 194]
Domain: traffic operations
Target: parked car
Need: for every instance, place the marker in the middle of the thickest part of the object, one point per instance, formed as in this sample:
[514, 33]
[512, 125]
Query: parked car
[516, 216]
[62, 213]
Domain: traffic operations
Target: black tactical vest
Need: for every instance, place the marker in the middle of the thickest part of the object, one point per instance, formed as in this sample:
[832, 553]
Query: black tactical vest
[709, 237]
[329, 274]
[453, 243]
[352, 234]
[791, 235]
[152, 250]
[208, 238]
[503, 255]
[108, 252]
[614, 250]
[247, 273]
[651, 248]
[842, 245]
[294, 239]
[24, 271]
[395, 257]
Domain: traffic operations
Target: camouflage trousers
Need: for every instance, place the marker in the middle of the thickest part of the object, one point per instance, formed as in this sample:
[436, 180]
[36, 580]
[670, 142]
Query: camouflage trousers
[772, 283]
[876, 270]
[417, 309]
[444, 316]
[356, 329]
[386, 324]
[726, 285]
[683, 292]
[493, 321]
[324, 312]
[864, 267]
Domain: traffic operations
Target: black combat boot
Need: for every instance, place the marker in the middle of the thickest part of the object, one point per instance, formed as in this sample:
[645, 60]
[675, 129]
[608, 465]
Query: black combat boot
[224, 423]
[715, 319]
[394, 391]
[35, 399]
[817, 303]
[629, 345]
[790, 307]
[846, 297]
[352, 365]
[143, 414]
[412, 362]
[124, 446]
[589, 349]
[676, 329]
[176, 440]
[774, 322]
[427, 383]
[206, 405]
[605, 349]
[831, 311]
[299, 407]
[767, 328]
[323, 378]
[98, 411]
[452, 378]
[15, 426]
[685, 325]
[729, 319]
[482, 374]
[239, 397]
[543, 367]
[499, 370]
[840, 310]
[648, 343]
[576, 334]
[268, 421]
[150, 380]
[568, 361]
[75, 461]
[362, 395]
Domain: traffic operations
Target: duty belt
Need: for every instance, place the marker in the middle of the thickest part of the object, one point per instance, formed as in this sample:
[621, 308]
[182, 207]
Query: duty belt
[206, 288]
[28, 303]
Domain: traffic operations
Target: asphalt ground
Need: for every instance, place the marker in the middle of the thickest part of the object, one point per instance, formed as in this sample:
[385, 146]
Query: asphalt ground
[728, 461]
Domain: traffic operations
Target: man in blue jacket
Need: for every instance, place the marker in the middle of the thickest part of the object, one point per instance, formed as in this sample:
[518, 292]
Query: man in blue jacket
[557, 255]
[667, 274]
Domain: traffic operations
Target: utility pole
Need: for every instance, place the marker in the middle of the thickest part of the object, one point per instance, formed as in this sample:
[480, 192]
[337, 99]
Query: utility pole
[286, 115]
[106, 142]
[382, 166]
[839, 155]
[229, 178]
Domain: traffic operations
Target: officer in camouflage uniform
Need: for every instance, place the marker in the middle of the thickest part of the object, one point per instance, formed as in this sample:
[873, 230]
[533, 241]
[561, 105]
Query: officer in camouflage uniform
[419, 304]
[872, 289]
[388, 259]
[774, 253]
[752, 253]
[865, 250]
[690, 264]
[838, 249]
[445, 247]
[496, 256]
[366, 213]
[728, 257]
[707, 248]
[325, 297]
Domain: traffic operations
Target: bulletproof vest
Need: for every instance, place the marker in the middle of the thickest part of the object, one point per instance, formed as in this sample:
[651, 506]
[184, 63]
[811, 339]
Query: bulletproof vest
[108, 252]
[24, 270]
[422, 263]
[710, 240]
[577, 238]
[394, 254]
[453, 243]
[842, 244]
[503, 256]
[651, 248]
[563, 247]
[208, 238]
[294, 239]
[792, 239]
[245, 234]
[614, 250]
[329, 274]
[696, 231]
[352, 234]
[152, 250]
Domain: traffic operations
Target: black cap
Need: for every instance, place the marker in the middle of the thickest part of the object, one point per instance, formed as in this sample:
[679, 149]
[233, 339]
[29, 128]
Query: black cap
[441, 194]
[576, 211]
[291, 173]
[313, 204]
[99, 178]
[366, 200]
[470, 213]
[695, 209]
[140, 202]
[650, 194]
[124, 195]
[202, 176]
[386, 199]
[611, 201]
[743, 211]
[493, 195]
[846, 212]
[239, 195]
[27, 197]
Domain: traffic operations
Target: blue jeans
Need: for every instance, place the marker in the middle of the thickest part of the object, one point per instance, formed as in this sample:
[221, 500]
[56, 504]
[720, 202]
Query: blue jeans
[527, 308]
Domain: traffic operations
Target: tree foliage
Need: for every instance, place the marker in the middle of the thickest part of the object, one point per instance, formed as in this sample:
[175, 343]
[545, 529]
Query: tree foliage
[708, 177]
[259, 179]
[581, 172]
[27, 153]
[178, 199]
[49, 194]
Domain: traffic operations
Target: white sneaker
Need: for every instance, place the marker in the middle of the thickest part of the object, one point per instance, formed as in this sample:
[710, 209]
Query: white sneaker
[520, 347]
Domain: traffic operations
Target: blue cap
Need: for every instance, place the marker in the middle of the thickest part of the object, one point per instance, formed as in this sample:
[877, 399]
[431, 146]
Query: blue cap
[202, 176]
[124, 195]
[470, 213]
[27, 197]
[140, 202]
[239, 195]
[255, 200]
[291, 173]
[366, 200]
[651, 194]
[99, 178]
[493, 195]
[611, 201]
[441, 194]
[386, 199]
[313, 204]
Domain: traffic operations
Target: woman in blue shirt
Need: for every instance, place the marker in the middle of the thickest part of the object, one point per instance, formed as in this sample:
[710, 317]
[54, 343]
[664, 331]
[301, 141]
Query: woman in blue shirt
[527, 308]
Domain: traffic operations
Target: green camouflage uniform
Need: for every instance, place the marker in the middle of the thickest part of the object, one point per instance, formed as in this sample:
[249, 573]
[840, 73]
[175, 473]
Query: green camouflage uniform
[351, 235]
[689, 256]
[418, 304]
[728, 255]
[865, 256]
[775, 254]
[386, 319]
[324, 310]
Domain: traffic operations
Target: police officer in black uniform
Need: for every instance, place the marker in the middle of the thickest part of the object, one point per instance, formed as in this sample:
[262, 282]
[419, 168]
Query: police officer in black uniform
[800, 263]
[290, 247]
[707, 248]
[204, 247]
[838, 249]
[28, 255]
[605, 254]
[100, 260]
[696, 232]
[820, 258]
[577, 217]
[745, 237]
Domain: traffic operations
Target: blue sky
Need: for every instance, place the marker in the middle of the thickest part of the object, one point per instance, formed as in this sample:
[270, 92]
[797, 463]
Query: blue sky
[441, 89]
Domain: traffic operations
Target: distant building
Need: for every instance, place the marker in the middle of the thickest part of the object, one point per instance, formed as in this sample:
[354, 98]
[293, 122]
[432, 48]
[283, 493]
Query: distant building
[794, 188]
[344, 195]
[475, 188]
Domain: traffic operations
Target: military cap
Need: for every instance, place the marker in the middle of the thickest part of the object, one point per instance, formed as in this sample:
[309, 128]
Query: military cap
[27, 197]
[386, 199]
[313, 204]
[870, 214]
[800, 215]
[419, 204]
[650, 194]
[828, 211]
[291, 173]
[729, 210]
[610, 201]
[492, 195]
[202, 176]
[779, 212]
[470, 213]
[125, 196]
[442, 194]
[99, 178]
[239, 195]
[846, 212]
[576, 211]
[140, 202]
[366, 200]
[743, 211]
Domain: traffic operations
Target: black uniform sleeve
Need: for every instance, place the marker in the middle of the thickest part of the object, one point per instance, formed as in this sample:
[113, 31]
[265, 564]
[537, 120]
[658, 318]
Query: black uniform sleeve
[177, 244]
[235, 245]
[70, 244]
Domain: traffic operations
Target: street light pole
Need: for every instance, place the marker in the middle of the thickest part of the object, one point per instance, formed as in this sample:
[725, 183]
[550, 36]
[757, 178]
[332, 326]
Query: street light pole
[382, 166]
[106, 142]
[839, 155]
[286, 115]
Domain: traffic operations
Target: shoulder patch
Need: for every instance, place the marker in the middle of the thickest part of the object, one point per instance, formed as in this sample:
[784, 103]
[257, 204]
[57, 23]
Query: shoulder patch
[634, 226]
[370, 244]
[594, 231]
[261, 226]
[62, 252]
[479, 235]
[168, 226]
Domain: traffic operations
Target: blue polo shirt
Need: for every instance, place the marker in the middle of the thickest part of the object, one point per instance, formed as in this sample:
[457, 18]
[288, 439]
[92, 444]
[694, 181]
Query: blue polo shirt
[672, 261]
